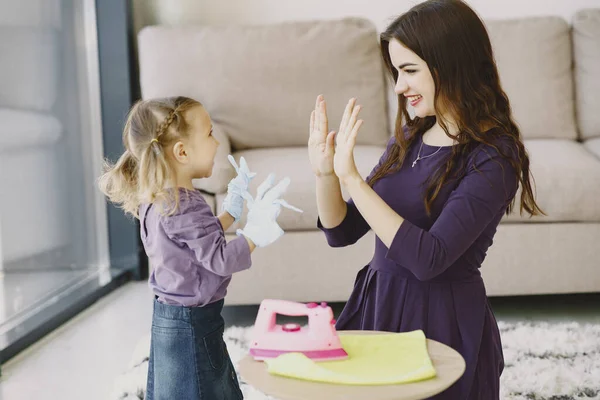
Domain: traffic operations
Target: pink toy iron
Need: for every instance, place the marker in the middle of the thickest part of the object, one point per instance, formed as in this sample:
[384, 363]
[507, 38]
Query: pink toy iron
[319, 341]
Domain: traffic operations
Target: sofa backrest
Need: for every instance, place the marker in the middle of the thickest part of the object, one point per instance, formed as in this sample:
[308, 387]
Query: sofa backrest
[586, 49]
[535, 66]
[259, 83]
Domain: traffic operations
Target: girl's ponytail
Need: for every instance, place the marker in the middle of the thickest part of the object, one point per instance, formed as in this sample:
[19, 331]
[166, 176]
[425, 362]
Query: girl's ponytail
[119, 182]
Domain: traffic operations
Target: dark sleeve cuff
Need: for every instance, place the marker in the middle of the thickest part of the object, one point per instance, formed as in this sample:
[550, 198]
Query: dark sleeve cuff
[348, 231]
[402, 241]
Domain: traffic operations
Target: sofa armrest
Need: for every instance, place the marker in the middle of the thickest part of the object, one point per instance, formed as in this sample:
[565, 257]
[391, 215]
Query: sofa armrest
[223, 171]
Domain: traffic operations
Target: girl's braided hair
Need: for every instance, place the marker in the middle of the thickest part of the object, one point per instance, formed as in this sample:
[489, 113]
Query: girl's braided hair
[142, 174]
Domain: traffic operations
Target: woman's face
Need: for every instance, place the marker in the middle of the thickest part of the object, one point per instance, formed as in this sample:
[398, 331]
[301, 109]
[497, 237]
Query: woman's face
[415, 81]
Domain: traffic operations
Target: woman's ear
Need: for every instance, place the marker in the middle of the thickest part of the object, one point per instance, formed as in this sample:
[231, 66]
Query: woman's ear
[179, 153]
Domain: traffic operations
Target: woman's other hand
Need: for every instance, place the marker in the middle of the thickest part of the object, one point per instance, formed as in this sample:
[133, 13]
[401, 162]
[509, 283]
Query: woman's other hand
[321, 146]
[343, 161]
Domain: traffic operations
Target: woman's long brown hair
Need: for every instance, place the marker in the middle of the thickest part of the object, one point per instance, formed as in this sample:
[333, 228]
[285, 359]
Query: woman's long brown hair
[450, 37]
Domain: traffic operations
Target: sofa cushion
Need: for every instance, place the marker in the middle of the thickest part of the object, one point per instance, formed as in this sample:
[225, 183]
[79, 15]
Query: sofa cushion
[566, 179]
[593, 145]
[534, 61]
[260, 82]
[586, 50]
[29, 72]
[293, 162]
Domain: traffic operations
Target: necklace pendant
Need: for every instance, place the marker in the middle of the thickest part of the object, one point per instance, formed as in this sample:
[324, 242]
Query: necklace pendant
[414, 162]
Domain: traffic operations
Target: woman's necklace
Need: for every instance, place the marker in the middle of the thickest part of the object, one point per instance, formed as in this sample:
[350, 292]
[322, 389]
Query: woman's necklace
[419, 154]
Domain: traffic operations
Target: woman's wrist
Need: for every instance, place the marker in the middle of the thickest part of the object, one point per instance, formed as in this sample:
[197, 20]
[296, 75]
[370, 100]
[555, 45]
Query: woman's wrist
[325, 174]
[351, 181]
[330, 175]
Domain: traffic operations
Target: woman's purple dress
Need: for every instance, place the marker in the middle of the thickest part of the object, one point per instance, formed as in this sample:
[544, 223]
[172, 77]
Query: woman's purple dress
[429, 278]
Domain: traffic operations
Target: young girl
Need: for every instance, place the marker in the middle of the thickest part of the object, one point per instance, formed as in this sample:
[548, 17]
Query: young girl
[436, 196]
[168, 143]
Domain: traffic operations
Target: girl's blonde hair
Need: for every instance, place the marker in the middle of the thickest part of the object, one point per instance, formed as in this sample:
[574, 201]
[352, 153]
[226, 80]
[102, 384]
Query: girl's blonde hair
[142, 173]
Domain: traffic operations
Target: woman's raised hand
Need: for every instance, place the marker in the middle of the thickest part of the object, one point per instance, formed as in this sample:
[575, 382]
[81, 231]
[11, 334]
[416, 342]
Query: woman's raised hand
[343, 162]
[321, 146]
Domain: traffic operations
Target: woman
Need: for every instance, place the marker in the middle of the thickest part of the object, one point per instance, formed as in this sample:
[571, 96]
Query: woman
[436, 196]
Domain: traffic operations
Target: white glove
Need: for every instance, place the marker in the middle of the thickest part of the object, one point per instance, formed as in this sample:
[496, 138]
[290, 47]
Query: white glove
[234, 201]
[262, 227]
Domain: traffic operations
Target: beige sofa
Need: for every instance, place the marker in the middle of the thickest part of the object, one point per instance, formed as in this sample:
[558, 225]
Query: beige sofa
[259, 84]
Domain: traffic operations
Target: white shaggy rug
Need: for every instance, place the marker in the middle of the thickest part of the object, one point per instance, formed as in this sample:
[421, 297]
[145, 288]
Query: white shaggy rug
[543, 362]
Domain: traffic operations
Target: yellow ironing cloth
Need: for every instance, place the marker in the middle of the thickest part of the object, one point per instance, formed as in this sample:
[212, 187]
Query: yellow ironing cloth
[377, 359]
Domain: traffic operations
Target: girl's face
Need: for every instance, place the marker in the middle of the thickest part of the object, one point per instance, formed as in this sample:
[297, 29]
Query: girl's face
[414, 79]
[200, 146]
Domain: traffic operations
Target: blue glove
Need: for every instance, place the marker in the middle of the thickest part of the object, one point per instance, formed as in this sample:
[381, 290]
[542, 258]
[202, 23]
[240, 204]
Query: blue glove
[234, 201]
[262, 227]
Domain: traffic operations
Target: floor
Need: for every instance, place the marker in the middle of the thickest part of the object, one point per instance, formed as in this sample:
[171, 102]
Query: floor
[81, 359]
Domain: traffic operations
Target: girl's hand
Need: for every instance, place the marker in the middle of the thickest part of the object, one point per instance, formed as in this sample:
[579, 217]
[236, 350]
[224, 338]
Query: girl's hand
[262, 227]
[234, 201]
[320, 143]
[343, 161]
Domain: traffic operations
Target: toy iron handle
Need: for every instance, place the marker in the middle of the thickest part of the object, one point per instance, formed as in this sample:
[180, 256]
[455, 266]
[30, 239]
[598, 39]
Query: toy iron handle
[285, 307]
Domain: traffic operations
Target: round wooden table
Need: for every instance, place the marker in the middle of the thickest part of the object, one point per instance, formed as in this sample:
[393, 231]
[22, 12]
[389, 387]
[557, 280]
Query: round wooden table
[449, 366]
